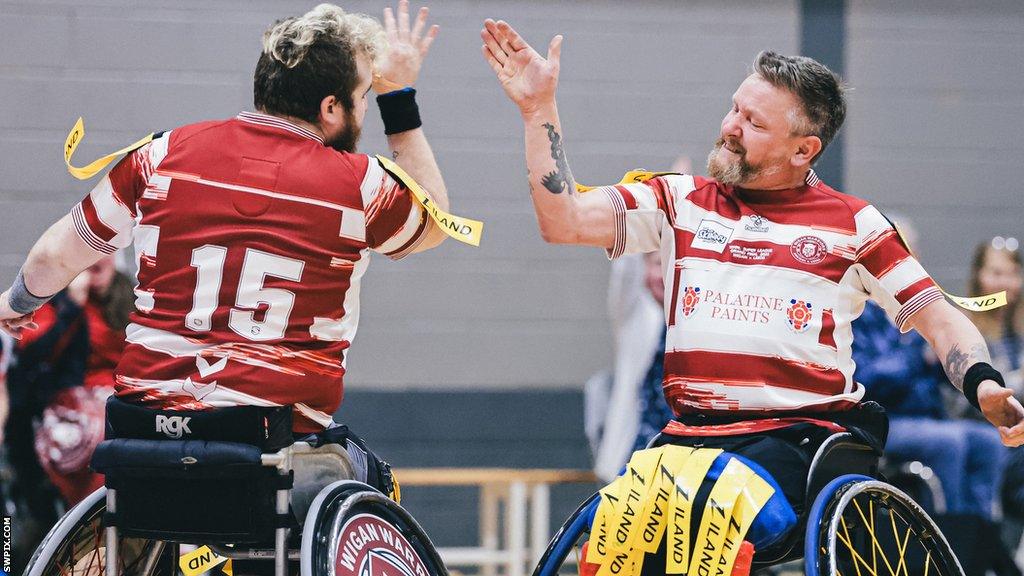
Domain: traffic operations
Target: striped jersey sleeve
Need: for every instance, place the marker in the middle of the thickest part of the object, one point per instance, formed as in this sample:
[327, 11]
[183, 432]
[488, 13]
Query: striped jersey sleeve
[106, 217]
[395, 222]
[891, 275]
[643, 211]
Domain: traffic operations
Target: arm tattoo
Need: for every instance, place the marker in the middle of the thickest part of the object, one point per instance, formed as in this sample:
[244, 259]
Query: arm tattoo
[559, 180]
[957, 362]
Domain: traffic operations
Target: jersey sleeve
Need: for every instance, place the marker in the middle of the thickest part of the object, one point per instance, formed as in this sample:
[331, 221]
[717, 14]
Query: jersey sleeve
[892, 276]
[106, 217]
[643, 210]
[395, 222]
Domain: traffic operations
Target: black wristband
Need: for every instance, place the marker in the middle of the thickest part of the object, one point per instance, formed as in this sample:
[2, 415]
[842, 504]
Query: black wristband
[399, 111]
[975, 375]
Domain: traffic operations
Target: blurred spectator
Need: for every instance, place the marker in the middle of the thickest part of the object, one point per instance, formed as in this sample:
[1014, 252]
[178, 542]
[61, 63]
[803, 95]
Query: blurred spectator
[996, 267]
[626, 407]
[900, 372]
[62, 374]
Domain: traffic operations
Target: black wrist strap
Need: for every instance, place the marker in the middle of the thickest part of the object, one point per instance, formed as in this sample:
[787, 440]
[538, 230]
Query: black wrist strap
[399, 111]
[976, 374]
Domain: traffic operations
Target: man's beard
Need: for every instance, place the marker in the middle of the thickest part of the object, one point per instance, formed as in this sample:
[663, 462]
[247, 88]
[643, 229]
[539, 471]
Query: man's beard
[738, 171]
[347, 140]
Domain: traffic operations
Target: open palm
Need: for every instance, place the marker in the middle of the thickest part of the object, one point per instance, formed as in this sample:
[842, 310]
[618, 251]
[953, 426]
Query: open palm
[528, 79]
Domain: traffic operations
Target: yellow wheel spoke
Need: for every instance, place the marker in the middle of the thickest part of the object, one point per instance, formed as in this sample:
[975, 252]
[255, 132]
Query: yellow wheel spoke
[874, 553]
[848, 539]
[874, 541]
[903, 547]
[927, 562]
[856, 557]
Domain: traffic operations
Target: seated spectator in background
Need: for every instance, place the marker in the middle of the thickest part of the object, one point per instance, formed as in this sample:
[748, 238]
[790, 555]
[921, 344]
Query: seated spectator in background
[996, 267]
[900, 372]
[58, 384]
[72, 423]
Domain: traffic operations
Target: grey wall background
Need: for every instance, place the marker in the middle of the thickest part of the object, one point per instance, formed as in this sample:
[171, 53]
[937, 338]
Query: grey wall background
[476, 356]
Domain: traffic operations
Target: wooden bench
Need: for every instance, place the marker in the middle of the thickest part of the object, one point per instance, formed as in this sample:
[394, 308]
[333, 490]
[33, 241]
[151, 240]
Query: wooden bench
[518, 491]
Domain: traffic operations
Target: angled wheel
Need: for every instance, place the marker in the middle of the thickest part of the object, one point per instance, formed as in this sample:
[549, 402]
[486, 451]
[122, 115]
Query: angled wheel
[576, 526]
[75, 546]
[353, 530]
[859, 526]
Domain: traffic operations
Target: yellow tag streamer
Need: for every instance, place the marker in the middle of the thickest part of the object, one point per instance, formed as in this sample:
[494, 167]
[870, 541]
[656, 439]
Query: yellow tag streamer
[655, 516]
[84, 173]
[677, 555]
[203, 560]
[459, 228]
[974, 304]
[600, 532]
[631, 177]
[716, 518]
[754, 496]
[662, 483]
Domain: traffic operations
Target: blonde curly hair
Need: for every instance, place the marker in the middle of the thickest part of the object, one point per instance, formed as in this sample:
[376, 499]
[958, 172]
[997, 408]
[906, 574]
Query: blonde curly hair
[288, 41]
[307, 58]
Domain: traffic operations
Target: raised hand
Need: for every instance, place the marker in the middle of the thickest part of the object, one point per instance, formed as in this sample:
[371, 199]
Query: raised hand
[406, 49]
[528, 79]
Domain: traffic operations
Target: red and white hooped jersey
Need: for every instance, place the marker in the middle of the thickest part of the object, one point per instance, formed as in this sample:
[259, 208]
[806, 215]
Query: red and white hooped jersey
[251, 238]
[761, 288]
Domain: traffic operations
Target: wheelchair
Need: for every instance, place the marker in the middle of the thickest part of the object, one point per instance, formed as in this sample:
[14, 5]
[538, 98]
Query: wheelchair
[854, 524]
[239, 485]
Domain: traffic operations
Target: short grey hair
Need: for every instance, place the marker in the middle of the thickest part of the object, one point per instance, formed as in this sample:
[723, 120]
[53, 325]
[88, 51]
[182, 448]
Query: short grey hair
[819, 90]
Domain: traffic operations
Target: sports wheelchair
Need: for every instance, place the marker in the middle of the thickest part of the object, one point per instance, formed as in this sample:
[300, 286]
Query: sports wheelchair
[240, 485]
[854, 524]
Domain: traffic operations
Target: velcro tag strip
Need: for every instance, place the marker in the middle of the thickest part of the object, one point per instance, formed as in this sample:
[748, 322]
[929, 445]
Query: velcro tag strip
[653, 502]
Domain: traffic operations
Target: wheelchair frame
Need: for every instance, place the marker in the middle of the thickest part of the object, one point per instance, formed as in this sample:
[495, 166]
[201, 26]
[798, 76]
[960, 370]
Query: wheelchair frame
[825, 481]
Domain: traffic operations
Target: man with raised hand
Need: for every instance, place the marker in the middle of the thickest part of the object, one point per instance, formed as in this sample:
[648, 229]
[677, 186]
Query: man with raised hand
[252, 233]
[764, 265]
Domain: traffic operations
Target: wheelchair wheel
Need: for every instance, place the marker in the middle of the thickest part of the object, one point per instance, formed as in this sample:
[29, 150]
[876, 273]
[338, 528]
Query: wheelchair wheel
[353, 530]
[861, 526]
[75, 546]
[576, 526]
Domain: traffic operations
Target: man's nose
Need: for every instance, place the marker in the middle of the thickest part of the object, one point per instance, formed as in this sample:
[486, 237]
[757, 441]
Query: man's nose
[731, 126]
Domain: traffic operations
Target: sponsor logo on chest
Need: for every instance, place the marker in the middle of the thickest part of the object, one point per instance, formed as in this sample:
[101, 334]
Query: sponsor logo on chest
[711, 235]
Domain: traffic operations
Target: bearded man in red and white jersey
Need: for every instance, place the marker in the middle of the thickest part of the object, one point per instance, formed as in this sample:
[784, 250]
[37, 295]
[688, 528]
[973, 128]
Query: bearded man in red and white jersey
[764, 265]
[252, 234]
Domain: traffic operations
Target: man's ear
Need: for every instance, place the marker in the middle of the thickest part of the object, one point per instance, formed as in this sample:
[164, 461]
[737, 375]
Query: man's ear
[807, 148]
[329, 117]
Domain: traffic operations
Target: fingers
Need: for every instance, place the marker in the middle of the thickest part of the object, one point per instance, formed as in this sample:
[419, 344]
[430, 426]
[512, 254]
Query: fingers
[495, 65]
[403, 18]
[428, 39]
[511, 36]
[389, 25]
[1012, 436]
[555, 50]
[421, 21]
[491, 42]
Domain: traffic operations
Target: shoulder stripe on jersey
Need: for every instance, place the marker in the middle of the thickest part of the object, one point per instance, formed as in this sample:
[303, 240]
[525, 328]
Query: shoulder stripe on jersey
[86, 233]
[251, 190]
[812, 178]
[915, 304]
[275, 122]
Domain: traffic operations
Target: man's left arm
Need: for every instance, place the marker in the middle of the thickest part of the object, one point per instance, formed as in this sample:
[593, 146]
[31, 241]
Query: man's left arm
[965, 357]
[55, 260]
[407, 48]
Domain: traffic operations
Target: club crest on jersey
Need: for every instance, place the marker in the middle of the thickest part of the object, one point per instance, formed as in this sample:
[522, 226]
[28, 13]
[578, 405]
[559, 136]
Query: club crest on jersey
[691, 297]
[809, 249]
[370, 546]
[799, 315]
[711, 235]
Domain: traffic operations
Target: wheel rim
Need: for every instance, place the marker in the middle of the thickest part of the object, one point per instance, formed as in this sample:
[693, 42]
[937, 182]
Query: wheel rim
[877, 530]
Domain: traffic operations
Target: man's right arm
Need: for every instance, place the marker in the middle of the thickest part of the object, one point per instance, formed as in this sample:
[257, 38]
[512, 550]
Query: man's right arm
[529, 80]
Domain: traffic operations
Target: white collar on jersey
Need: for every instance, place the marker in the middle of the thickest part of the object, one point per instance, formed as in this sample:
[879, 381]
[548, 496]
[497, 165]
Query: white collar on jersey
[278, 122]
